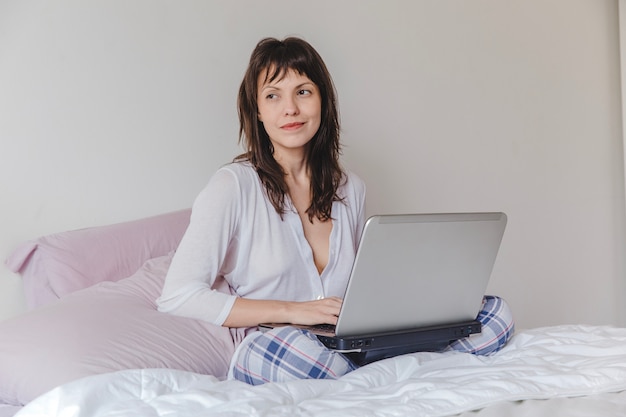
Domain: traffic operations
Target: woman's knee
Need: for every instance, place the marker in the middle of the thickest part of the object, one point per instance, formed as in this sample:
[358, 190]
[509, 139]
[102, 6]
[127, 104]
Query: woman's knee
[498, 326]
[285, 354]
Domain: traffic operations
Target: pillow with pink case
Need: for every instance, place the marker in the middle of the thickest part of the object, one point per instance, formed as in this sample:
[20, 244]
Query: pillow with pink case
[107, 327]
[55, 265]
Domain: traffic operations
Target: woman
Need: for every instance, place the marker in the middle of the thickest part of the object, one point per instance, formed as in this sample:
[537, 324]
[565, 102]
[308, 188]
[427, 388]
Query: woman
[273, 236]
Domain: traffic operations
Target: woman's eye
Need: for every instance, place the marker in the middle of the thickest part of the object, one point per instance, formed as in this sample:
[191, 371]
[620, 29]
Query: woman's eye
[304, 92]
[271, 96]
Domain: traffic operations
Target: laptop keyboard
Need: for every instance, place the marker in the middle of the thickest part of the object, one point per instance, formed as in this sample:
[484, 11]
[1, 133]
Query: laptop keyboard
[323, 327]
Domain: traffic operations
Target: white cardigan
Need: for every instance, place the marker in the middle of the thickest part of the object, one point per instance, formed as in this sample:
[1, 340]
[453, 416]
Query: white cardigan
[236, 245]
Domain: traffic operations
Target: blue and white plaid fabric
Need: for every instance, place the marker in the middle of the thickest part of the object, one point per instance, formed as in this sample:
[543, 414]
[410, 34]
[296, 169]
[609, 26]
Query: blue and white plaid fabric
[497, 328]
[286, 353]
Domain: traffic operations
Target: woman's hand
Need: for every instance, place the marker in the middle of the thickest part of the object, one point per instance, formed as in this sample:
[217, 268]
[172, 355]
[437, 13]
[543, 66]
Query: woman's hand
[320, 311]
[248, 313]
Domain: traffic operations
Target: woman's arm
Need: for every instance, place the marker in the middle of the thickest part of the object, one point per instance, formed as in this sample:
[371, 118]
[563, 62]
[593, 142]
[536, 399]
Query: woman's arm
[191, 287]
[247, 313]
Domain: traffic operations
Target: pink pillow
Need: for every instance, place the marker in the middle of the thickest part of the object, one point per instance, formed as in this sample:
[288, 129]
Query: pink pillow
[55, 265]
[107, 327]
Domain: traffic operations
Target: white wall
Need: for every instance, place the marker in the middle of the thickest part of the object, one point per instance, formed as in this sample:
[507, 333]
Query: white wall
[114, 110]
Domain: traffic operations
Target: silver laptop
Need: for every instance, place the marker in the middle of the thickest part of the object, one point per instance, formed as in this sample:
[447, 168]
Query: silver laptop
[417, 283]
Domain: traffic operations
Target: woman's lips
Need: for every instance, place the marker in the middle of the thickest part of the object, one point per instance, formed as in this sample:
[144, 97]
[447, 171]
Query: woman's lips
[292, 126]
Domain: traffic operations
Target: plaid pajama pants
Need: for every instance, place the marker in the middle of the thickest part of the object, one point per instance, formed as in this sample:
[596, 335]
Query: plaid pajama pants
[287, 353]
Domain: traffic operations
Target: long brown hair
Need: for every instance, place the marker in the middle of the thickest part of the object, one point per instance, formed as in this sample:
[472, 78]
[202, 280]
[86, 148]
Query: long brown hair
[275, 58]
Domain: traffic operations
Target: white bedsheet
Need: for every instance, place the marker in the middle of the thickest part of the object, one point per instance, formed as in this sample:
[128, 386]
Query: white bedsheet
[553, 362]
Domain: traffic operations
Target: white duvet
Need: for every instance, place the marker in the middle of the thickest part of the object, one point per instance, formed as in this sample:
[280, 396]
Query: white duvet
[553, 362]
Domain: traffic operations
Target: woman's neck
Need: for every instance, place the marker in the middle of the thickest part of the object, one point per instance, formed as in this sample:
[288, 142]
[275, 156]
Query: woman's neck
[295, 168]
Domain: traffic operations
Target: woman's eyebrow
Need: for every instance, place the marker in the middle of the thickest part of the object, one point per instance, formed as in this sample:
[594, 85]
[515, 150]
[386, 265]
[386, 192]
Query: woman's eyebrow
[297, 87]
[306, 84]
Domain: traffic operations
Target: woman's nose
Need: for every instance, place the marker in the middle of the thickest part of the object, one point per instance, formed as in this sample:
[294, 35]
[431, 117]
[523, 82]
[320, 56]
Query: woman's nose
[291, 107]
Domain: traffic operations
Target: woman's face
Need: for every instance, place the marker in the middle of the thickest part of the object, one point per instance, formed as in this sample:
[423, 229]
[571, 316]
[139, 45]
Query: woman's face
[290, 109]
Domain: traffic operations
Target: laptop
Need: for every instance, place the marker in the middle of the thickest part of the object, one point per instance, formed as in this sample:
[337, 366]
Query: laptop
[417, 284]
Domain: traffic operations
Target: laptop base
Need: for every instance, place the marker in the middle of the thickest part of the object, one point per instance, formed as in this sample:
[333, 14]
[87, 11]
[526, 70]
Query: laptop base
[370, 348]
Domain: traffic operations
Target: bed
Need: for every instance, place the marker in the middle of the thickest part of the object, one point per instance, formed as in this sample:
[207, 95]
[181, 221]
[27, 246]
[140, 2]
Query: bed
[94, 345]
